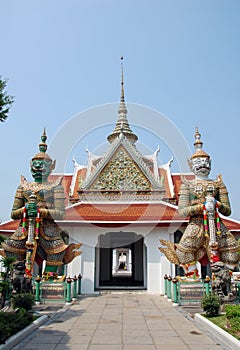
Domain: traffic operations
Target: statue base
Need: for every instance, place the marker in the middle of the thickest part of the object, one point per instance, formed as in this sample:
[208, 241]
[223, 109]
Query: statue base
[53, 291]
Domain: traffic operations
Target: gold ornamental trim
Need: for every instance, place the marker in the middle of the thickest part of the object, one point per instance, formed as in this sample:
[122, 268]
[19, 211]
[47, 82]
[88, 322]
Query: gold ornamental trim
[36, 187]
[54, 263]
[13, 249]
[56, 250]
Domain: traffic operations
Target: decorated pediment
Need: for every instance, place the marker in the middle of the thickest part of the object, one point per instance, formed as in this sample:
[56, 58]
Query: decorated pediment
[122, 169]
[121, 173]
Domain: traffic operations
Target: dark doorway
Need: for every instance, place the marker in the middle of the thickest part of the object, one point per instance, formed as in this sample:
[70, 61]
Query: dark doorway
[121, 257]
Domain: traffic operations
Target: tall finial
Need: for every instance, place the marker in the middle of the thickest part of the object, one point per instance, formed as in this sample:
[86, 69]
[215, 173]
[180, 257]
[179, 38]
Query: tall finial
[122, 127]
[198, 142]
[199, 152]
[122, 81]
[122, 107]
[42, 150]
[43, 145]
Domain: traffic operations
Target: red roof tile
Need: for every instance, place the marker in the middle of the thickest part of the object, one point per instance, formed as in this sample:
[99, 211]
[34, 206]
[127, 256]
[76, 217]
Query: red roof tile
[176, 178]
[66, 183]
[81, 175]
[163, 172]
[9, 225]
[105, 213]
[232, 225]
[108, 212]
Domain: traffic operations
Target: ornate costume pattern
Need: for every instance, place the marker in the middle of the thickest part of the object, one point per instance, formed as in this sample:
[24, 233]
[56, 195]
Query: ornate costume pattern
[206, 238]
[37, 205]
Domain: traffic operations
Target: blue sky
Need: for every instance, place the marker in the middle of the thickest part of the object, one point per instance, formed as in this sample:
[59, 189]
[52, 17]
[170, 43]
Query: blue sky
[62, 57]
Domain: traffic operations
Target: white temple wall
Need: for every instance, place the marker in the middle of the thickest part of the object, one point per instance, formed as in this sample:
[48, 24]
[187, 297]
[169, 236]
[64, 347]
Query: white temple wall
[85, 263]
[157, 264]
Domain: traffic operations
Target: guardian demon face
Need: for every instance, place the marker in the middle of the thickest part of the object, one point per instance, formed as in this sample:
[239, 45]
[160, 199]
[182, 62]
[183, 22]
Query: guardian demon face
[200, 166]
[41, 164]
[41, 169]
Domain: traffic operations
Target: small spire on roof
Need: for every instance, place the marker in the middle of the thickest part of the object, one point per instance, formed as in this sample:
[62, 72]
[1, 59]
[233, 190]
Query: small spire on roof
[122, 82]
[122, 125]
[122, 107]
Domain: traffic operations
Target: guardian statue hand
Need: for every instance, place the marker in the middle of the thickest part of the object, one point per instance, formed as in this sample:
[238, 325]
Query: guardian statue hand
[210, 204]
[31, 210]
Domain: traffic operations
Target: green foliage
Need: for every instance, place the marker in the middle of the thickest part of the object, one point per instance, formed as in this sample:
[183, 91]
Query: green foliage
[211, 304]
[25, 301]
[232, 310]
[222, 322]
[233, 317]
[13, 322]
[2, 239]
[234, 325]
[9, 261]
[5, 101]
[6, 279]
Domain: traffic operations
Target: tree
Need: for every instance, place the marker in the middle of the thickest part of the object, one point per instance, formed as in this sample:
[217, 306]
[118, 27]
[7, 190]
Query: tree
[6, 280]
[5, 101]
[6, 277]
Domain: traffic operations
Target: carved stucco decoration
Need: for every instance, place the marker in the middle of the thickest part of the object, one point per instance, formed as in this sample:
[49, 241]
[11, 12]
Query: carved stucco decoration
[121, 173]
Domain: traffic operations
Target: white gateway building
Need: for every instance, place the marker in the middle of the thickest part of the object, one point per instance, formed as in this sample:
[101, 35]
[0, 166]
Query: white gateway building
[119, 206]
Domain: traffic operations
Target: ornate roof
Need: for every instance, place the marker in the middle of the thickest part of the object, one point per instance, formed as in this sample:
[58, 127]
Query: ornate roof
[122, 125]
[123, 212]
[122, 168]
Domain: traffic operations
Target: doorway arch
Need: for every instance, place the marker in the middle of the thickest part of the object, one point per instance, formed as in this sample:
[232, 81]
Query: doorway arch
[120, 261]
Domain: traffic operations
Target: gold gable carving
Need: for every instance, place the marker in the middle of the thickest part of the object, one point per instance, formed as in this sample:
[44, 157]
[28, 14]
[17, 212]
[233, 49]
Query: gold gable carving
[121, 173]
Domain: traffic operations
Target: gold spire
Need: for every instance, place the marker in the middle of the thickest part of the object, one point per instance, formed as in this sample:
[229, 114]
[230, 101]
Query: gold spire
[122, 82]
[198, 143]
[122, 106]
[198, 146]
[122, 125]
[42, 150]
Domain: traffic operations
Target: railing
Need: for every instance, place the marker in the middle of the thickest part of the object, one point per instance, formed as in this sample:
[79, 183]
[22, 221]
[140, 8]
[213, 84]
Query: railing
[236, 289]
[186, 292]
[66, 291]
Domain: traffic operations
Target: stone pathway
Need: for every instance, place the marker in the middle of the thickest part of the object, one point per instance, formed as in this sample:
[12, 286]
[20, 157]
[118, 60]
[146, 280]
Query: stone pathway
[124, 321]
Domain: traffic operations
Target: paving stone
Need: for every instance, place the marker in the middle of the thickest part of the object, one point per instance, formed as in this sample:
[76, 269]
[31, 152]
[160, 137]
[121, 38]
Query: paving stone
[119, 321]
[139, 347]
[107, 339]
[140, 340]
